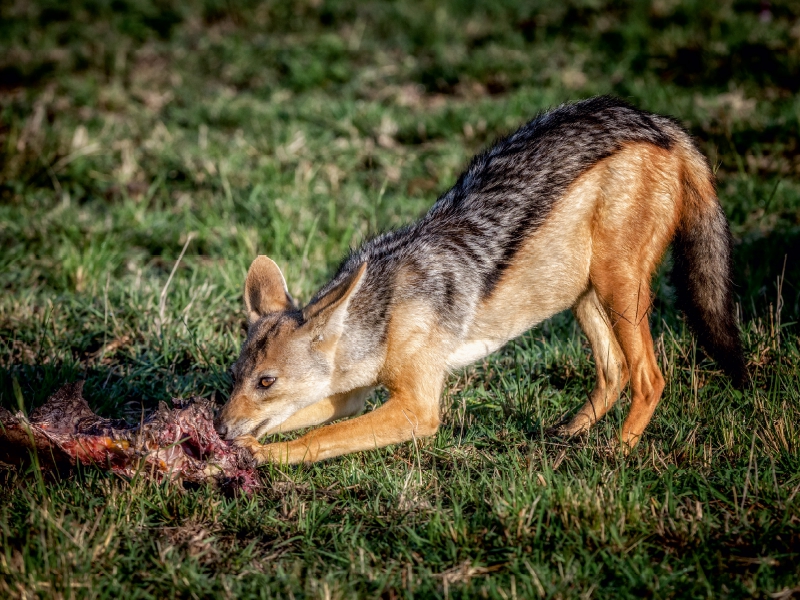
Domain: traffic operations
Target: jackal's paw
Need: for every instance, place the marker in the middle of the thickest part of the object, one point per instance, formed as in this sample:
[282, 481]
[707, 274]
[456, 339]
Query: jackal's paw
[578, 425]
[276, 453]
[263, 453]
[627, 442]
[250, 443]
[558, 432]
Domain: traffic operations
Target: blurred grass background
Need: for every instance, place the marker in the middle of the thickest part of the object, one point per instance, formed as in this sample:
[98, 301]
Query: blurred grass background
[298, 129]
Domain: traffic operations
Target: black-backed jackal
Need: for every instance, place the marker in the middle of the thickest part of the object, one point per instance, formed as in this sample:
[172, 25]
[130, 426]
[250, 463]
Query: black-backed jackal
[576, 209]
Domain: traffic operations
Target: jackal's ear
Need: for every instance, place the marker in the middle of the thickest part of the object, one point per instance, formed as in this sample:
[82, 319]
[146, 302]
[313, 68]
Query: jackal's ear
[326, 315]
[265, 290]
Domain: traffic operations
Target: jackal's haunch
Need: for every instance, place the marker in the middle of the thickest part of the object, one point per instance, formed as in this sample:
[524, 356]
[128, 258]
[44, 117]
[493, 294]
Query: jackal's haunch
[573, 210]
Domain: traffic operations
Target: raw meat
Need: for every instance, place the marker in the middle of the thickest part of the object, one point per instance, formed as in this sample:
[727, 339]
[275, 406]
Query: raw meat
[178, 443]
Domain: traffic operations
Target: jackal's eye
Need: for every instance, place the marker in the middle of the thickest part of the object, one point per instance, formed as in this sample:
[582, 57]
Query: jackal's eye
[265, 382]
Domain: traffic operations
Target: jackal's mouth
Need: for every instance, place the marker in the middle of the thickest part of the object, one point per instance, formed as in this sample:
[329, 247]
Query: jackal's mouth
[262, 428]
[230, 431]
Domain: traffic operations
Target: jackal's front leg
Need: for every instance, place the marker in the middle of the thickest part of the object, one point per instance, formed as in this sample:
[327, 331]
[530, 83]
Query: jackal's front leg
[334, 407]
[412, 411]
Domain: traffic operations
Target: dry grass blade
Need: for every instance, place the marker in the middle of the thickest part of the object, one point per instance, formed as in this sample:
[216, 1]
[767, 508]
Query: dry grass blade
[162, 300]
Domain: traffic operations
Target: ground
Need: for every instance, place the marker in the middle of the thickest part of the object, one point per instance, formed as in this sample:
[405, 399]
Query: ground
[132, 129]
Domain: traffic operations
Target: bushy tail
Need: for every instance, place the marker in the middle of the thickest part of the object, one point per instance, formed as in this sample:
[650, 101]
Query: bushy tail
[702, 275]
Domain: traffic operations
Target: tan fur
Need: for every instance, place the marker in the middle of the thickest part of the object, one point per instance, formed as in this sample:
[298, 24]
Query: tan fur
[596, 253]
[624, 260]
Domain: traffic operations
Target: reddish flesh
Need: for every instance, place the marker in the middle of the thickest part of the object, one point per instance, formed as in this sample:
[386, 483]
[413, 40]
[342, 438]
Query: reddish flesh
[178, 443]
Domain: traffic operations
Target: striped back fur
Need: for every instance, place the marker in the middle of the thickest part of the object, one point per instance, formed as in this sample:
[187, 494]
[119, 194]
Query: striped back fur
[459, 250]
[462, 246]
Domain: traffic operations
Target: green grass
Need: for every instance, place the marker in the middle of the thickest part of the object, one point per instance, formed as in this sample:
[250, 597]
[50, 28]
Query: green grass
[299, 129]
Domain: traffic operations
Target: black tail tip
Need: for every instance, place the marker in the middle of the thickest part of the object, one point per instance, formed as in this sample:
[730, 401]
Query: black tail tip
[741, 380]
[735, 368]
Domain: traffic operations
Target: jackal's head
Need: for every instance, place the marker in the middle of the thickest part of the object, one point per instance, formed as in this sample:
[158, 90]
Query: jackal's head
[287, 360]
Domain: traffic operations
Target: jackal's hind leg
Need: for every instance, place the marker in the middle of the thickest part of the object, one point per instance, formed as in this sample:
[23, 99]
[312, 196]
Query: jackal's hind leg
[612, 374]
[647, 382]
[630, 307]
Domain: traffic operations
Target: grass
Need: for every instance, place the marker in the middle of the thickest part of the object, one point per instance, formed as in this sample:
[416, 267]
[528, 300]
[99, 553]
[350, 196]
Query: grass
[298, 130]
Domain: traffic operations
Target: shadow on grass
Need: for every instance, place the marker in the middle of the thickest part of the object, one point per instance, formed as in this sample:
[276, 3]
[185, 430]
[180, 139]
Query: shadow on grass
[109, 393]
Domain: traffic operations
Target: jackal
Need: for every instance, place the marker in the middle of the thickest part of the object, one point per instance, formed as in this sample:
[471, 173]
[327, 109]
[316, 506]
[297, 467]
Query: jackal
[574, 210]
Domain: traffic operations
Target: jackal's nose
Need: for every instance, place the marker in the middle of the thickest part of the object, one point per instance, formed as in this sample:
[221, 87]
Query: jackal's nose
[222, 428]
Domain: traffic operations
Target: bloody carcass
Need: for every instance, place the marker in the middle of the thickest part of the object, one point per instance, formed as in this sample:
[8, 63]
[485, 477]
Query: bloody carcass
[178, 443]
